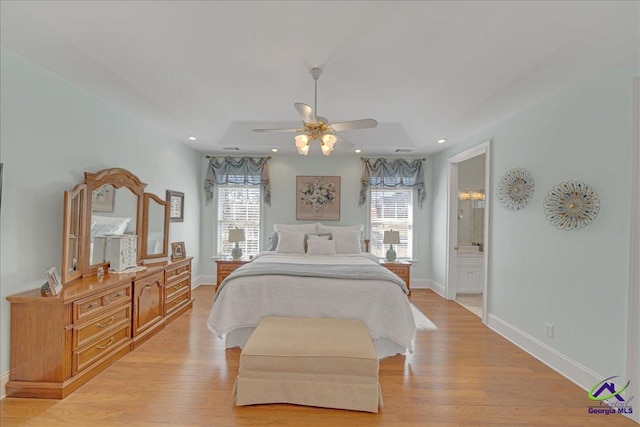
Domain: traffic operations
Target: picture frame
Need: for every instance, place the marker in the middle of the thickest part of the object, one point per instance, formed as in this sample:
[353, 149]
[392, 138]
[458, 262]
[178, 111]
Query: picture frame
[177, 250]
[318, 198]
[53, 280]
[103, 199]
[176, 206]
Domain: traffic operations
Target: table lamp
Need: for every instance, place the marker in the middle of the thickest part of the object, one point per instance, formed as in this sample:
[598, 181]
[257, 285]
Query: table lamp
[391, 238]
[236, 235]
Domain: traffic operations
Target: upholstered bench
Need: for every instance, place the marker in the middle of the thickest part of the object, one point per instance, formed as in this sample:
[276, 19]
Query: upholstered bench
[329, 363]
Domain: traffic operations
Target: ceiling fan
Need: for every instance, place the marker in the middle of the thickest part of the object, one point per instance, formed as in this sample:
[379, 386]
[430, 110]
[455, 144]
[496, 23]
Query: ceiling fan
[316, 127]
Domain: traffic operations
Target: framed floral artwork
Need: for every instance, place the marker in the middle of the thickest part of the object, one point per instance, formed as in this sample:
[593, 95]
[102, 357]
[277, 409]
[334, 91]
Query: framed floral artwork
[318, 197]
[176, 206]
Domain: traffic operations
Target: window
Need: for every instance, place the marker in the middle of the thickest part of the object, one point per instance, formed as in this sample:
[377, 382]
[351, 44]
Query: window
[239, 206]
[392, 208]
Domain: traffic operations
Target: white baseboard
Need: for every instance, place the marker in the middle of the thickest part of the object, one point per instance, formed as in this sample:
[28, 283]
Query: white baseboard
[437, 288]
[420, 284]
[4, 379]
[203, 280]
[570, 369]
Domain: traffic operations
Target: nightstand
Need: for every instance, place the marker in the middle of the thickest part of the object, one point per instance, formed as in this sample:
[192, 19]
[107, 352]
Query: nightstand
[226, 266]
[402, 269]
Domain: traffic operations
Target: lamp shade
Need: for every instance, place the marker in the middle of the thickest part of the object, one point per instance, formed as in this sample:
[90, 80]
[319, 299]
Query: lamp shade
[391, 237]
[236, 235]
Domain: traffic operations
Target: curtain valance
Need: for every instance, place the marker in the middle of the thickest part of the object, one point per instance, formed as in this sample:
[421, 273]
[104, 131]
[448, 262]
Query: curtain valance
[238, 171]
[392, 173]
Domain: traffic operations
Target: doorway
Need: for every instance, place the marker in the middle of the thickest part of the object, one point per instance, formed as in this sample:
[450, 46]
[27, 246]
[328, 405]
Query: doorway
[468, 229]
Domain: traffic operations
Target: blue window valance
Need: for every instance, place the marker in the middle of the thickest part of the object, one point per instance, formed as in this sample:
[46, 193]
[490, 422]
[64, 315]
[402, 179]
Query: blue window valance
[238, 171]
[392, 173]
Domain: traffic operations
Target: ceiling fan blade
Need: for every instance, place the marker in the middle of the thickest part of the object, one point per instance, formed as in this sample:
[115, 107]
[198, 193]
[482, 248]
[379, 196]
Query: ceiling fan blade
[354, 124]
[305, 112]
[343, 142]
[275, 130]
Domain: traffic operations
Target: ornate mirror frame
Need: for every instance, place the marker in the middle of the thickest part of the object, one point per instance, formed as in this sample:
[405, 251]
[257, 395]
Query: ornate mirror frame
[147, 199]
[73, 231]
[118, 178]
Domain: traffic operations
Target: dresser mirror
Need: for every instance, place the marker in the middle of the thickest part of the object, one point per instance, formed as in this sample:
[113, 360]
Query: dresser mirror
[115, 208]
[75, 207]
[155, 227]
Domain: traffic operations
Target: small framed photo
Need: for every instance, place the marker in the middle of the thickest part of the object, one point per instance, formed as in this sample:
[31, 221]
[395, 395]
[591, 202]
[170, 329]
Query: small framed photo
[53, 279]
[176, 206]
[177, 250]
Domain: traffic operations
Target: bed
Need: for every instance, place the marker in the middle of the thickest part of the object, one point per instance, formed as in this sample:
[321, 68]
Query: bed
[310, 279]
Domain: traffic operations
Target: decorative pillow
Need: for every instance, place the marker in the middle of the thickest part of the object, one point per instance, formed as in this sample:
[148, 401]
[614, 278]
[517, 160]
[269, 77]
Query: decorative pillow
[322, 228]
[290, 242]
[347, 241]
[101, 225]
[318, 236]
[321, 247]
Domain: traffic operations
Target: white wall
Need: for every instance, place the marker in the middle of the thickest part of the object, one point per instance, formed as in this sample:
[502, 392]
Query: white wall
[51, 133]
[576, 280]
[283, 170]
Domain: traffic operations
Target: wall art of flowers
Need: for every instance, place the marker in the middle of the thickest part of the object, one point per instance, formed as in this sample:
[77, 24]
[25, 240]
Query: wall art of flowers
[318, 197]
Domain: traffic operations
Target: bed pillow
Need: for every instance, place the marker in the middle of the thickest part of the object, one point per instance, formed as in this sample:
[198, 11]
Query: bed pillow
[101, 225]
[347, 241]
[321, 247]
[305, 228]
[318, 236]
[322, 228]
[290, 242]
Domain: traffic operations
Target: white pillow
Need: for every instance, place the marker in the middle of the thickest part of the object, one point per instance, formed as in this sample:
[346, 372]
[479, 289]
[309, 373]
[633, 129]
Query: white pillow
[318, 236]
[347, 241]
[304, 228]
[101, 225]
[323, 229]
[290, 242]
[321, 247]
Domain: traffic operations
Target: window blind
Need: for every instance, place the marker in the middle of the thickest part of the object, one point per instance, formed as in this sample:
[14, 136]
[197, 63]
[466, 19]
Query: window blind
[392, 209]
[239, 207]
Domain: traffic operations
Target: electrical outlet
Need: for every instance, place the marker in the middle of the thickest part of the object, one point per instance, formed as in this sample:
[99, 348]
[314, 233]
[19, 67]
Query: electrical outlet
[548, 329]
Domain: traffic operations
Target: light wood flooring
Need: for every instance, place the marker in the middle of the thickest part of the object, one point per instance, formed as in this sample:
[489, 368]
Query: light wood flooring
[462, 374]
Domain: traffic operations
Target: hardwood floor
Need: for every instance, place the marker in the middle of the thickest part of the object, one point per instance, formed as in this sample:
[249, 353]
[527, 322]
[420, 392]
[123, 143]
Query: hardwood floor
[461, 374]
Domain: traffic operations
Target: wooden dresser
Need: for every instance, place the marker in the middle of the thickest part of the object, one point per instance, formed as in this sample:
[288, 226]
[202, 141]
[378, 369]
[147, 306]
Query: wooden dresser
[402, 269]
[226, 267]
[60, 342]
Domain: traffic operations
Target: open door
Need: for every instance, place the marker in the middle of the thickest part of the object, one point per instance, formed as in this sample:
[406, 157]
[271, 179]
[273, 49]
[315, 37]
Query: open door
[472, 275]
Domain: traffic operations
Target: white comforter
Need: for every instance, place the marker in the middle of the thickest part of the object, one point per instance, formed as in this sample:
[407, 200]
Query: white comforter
[382, 305]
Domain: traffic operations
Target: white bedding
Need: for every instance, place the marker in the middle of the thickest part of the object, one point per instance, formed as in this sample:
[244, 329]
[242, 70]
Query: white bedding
[382, 305]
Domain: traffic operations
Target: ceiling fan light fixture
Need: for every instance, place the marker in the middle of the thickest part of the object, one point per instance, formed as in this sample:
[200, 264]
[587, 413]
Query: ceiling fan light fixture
[329, 139]
[326, 148]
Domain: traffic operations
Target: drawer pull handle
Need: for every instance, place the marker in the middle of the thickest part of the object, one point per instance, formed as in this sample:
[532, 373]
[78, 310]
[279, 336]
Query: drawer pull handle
[118, 295]
[102, 347]
[90, 306]
[106, 324]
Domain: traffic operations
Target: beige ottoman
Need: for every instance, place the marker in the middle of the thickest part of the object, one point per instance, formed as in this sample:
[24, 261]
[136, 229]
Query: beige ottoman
[328, 363]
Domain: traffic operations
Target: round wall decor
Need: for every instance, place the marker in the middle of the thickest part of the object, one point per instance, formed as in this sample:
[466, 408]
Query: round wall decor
[571, 205]
[515, 190]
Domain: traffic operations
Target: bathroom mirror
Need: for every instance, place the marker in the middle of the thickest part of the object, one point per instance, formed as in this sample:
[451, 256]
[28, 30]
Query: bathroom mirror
[155, 227]
[471, 223]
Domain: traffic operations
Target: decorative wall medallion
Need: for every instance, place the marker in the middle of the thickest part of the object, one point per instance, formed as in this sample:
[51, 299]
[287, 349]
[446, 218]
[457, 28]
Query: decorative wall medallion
[515, 190]
[571, 205]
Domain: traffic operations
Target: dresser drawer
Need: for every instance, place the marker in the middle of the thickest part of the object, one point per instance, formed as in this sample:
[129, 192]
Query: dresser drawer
[88, 355]
[101, 326]
[401, 271]
[177, 301]
[174, 272]
[177, 287]
[96, 304]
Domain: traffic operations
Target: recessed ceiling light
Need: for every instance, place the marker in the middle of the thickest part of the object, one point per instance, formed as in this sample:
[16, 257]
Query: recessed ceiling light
[358, 150]
[442, 141]
[192, 138]
[275, 150]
